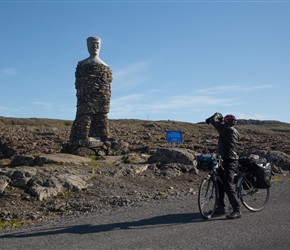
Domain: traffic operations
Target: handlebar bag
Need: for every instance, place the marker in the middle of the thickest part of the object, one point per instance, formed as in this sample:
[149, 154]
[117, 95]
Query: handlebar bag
[206, 161]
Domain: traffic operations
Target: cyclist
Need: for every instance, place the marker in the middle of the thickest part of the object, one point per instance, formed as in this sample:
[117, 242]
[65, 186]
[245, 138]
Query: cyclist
[227, 149]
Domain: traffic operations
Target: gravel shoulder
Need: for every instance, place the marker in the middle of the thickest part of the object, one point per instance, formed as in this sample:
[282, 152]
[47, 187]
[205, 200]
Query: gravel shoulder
[112, 184]
[172, 223]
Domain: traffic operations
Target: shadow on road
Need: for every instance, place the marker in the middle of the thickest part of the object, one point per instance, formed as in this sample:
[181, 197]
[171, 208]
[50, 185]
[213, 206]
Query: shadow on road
[157, 221]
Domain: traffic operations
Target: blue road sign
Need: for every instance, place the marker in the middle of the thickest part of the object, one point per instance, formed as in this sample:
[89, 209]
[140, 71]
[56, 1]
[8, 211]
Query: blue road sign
[173, 136]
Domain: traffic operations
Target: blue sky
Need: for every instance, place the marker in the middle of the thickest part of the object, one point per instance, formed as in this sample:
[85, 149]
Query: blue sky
[177, 60]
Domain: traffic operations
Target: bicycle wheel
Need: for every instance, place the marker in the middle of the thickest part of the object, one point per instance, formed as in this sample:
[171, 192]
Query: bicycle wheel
[254, 199]
[207, 197]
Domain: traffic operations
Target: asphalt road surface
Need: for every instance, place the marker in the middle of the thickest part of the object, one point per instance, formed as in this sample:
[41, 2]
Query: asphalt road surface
[168, 224]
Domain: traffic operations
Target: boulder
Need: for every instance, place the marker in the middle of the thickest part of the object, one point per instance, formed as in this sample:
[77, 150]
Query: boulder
[173, 155]
[73, 182]
[42, 159]
[174, 161]
[20, 176]
[280, 159]
[43, 182]
[69, 159]
[22, 160]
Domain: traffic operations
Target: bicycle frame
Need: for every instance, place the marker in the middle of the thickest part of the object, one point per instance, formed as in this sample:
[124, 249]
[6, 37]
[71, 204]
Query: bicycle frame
[241, 173]
[254, 199]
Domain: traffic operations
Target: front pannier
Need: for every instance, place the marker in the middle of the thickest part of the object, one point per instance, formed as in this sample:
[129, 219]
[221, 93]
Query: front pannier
[206, 162]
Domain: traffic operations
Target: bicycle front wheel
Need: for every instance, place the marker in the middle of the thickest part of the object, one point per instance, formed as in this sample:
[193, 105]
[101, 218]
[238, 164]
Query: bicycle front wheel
[254, 199]
[207, 197]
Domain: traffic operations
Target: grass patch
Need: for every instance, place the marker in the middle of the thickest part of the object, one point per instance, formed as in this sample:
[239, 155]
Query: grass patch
[164, 196]
[280, 178]
[94, 165]
[276, 178]
[13, 223]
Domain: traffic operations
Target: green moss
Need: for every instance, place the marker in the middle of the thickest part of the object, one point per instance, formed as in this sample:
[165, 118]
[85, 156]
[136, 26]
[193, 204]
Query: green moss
[279, 178]
[276, 178]
[13, 223]
[127, 159]
[95, 178]
[93, 165]
[164, 196]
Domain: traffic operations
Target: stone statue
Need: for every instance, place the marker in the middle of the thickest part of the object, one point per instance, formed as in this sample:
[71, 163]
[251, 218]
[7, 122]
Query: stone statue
[94, 46]
[93, 91]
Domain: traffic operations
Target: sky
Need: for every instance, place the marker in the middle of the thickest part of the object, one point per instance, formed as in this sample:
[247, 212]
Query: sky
[171, 60]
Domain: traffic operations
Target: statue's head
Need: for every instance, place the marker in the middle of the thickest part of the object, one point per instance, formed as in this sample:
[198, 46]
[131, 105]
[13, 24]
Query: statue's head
[94, 45]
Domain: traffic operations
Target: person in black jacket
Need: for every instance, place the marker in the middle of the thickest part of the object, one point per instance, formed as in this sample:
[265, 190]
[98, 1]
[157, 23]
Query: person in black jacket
[227, 148]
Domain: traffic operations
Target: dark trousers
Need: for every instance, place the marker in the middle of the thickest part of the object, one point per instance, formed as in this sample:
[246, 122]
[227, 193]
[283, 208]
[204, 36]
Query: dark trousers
[228, 186]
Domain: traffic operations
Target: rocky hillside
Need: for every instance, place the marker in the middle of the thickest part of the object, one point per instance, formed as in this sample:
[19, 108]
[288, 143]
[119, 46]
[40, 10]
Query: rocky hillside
[40, 181]
[36, 136]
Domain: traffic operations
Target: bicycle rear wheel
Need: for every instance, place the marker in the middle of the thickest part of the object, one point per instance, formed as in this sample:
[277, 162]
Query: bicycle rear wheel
[254, 199]
[207, 197]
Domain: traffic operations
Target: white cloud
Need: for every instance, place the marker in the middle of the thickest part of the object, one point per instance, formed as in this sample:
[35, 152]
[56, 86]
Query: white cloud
[3, 108]
[226, 88]
[195, 100]
[219, 89]
[154, 90]
[258, 87]
[12, 111]
[129, 76]
[126, 104]
[127, 99]
[44, 105]
[8, 71]
[253, 117]
[141, 104]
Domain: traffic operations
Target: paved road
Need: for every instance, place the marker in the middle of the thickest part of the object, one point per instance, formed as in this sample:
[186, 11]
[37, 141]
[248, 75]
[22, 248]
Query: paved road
[169, 224]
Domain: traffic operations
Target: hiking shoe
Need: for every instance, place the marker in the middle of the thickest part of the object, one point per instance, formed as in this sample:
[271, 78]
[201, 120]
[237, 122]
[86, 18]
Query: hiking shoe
[219, 211]
[234, 215]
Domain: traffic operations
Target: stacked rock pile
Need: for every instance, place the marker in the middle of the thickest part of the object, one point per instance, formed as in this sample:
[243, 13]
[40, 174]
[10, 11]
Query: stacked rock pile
[93, 104]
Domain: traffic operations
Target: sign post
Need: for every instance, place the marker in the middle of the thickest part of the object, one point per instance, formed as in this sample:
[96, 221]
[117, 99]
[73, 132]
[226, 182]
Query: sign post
[173, 136]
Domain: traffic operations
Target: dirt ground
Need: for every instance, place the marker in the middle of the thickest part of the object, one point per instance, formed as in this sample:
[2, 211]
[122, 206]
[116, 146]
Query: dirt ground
[113, 184]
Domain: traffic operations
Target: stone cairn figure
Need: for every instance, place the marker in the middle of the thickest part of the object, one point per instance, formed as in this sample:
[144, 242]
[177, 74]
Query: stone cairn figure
[90, 128]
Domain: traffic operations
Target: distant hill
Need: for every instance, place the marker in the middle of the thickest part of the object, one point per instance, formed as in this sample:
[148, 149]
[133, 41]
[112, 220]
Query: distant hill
[59, 122]
[261, 122]
[38, 135]
[257, 122]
